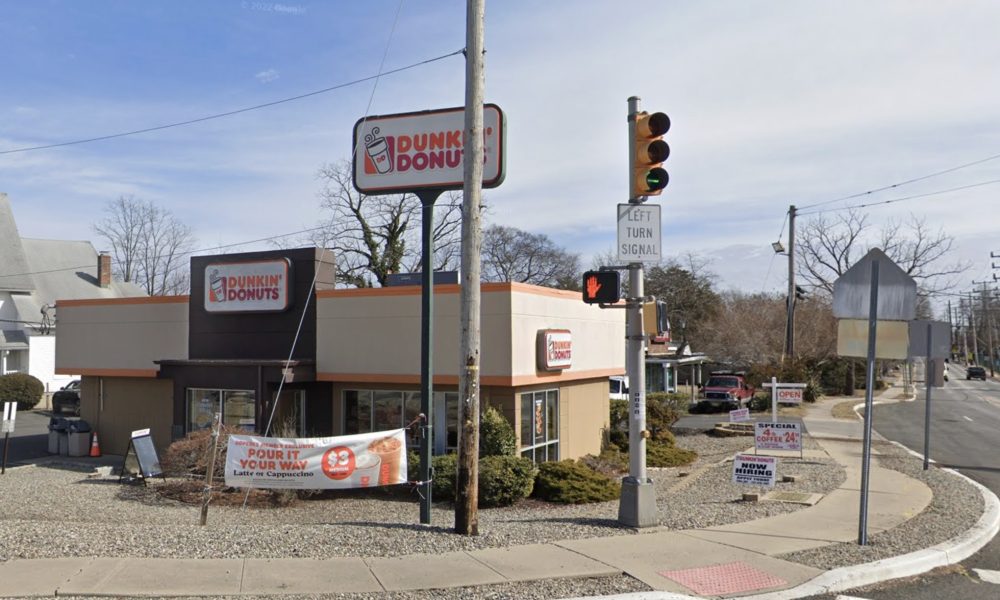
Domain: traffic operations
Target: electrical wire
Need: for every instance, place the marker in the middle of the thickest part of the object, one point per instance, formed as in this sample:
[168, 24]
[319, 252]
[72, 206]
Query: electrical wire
[902, 183]
[928, 194]
[234, 112]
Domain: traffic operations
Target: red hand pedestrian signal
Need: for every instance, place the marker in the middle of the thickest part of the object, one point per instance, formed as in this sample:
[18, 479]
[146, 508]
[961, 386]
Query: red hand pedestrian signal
[601, 287]
[593, 286]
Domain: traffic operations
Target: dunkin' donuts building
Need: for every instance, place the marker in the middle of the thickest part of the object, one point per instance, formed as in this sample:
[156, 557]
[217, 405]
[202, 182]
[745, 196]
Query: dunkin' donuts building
[169, 363]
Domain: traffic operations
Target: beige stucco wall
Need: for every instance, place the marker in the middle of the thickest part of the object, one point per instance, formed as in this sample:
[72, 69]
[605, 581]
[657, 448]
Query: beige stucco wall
[377, 332]
[598, 334]
[117, 406]
[120, 336]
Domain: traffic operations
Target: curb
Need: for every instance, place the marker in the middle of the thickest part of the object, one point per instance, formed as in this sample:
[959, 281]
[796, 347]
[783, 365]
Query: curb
[946, 553]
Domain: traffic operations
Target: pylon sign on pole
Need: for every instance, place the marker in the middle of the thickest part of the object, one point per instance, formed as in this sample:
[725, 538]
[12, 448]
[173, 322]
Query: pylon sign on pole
[407, 152]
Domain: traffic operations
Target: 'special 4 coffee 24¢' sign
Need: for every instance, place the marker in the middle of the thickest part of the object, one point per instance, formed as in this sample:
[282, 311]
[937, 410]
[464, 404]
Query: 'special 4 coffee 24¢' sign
[261, 286]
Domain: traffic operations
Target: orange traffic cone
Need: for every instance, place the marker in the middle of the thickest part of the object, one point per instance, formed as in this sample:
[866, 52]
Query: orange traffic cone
[95, 448]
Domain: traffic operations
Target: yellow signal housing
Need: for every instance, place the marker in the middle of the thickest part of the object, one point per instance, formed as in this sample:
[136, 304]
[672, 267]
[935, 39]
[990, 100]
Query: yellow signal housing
[648, 153]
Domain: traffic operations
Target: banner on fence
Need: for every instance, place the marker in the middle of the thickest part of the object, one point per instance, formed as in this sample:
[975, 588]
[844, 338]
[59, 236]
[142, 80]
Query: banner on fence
[350, 461]
[749, 469]
[778, 436]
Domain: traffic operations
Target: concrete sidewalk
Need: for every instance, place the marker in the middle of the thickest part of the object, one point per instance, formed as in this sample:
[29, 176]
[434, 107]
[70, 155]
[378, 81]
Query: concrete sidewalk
[725, 561]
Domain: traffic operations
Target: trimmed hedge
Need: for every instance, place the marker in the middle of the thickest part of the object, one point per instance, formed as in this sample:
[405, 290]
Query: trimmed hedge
[21, 388]
[659, 454]
[503, 480]
[571, 482]
[496, 435]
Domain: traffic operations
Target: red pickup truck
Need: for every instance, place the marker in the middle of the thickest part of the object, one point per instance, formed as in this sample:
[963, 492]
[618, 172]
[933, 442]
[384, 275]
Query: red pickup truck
[727, 388]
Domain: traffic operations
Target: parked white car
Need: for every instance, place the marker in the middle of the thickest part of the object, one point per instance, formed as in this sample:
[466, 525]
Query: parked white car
[619, 387]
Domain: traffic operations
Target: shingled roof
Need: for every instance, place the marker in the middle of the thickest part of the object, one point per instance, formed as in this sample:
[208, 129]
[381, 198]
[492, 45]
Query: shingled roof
[14, 272]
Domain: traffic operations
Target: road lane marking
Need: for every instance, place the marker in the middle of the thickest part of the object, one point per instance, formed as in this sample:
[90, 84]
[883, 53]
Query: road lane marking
[988, 576]
[967, 418]
[849, 598]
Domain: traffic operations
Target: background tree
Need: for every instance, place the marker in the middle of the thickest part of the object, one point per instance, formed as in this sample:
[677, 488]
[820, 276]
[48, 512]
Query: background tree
[149, 245]
[510, 254]
[375, 236]
[687, 288]
[829, 246]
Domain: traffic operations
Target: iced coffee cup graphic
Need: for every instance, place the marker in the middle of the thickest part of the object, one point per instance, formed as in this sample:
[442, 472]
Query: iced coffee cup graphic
[366, 470]
[378, 151]
[390, 451]
[218, 287]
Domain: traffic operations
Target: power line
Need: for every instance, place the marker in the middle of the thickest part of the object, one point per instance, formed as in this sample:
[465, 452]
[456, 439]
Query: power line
[954, 189]
[233, 112]
[902, 183]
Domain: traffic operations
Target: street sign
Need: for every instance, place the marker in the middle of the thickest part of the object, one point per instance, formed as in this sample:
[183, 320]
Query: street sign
[407, 152]
[897, 292]
[9, 417]
[940, 334]
[639, 237]
[891, 339]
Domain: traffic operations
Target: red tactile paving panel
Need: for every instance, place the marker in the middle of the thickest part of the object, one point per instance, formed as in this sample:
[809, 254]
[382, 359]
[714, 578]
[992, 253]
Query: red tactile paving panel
[729, 578]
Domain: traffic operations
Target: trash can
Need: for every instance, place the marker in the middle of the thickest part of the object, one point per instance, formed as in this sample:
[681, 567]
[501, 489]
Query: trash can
[78, 441]
[58, 430]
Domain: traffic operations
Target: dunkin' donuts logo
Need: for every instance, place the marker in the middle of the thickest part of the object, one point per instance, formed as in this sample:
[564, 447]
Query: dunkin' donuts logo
[251, 286]
[417, 152]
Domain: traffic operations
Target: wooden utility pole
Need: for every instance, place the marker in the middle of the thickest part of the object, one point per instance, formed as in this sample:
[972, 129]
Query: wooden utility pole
[467, 480]
[790, 306]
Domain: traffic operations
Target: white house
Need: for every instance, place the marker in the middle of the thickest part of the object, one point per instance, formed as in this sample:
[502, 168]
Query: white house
[33, 275]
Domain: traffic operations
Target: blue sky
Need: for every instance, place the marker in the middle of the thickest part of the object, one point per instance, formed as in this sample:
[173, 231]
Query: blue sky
[773, 103]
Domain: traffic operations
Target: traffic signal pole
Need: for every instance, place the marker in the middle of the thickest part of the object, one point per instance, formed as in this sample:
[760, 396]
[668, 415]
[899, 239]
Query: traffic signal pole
[637, 504]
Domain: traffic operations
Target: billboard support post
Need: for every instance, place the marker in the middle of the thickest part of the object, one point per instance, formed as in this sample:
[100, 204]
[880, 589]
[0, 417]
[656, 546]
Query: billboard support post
[427, 200]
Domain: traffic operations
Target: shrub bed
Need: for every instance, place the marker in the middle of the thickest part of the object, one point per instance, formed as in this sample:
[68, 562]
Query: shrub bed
[571, 482]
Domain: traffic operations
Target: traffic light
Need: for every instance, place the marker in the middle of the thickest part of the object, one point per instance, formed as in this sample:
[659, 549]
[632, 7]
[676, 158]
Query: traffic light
[601, 287]
[648, 153]
[654, 320]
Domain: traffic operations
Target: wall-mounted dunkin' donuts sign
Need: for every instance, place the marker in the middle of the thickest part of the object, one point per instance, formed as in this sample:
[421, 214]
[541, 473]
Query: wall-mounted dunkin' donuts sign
[259, 286]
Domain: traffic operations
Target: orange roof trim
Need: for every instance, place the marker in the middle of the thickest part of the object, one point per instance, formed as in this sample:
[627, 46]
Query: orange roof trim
[124, 301]
[492, 380]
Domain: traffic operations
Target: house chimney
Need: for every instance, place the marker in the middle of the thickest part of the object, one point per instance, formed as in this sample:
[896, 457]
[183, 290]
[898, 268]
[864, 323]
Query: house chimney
[104, 270]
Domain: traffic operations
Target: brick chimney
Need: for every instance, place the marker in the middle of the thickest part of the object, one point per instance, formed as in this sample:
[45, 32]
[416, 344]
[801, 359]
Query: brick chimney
[104, 269]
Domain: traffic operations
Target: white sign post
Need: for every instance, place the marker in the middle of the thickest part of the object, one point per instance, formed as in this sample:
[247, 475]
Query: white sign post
[784, 392]
[9, 416]
[639, 237]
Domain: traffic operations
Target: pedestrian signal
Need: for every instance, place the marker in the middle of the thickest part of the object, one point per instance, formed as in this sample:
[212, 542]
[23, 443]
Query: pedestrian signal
[601, 287]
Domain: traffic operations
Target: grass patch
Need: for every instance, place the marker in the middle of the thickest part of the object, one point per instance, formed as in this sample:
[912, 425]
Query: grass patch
[845, 410]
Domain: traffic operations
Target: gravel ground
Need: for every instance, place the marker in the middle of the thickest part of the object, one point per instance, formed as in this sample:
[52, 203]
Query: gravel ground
[956, 507]
[56, 511]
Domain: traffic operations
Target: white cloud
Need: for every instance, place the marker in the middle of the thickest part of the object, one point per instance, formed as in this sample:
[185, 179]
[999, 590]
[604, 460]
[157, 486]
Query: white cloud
[267, 76]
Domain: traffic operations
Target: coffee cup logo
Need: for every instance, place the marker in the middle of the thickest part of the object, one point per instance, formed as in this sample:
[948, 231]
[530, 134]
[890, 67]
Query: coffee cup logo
[218, 287]
[378, 151]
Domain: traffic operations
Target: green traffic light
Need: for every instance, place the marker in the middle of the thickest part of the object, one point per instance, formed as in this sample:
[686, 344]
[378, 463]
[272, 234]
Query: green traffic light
[656, 179]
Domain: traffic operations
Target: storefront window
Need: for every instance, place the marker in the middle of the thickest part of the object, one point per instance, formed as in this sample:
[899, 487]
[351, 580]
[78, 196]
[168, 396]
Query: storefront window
[357, 411]
[238, 408]
[540, 425]
[202, 406]
[377, 410]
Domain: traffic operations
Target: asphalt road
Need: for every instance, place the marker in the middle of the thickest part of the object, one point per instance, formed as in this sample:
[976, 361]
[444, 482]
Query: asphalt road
[965, 434]
[30, 440]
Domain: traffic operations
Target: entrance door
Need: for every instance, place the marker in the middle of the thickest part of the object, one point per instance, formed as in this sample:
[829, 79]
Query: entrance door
[289, 414]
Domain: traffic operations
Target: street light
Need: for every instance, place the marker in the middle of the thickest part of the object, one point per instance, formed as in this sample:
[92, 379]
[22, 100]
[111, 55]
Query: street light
[778, 247]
